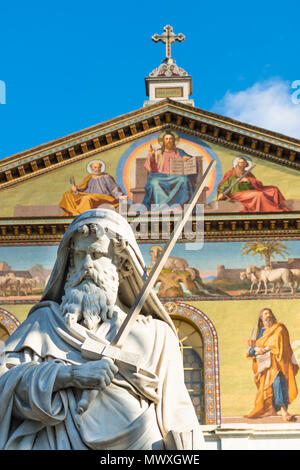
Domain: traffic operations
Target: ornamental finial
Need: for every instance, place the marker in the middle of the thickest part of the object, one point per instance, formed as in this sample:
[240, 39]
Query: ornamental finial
[168, 38]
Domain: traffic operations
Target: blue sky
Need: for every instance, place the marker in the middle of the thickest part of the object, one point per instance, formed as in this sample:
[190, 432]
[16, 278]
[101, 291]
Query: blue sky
[68, 65]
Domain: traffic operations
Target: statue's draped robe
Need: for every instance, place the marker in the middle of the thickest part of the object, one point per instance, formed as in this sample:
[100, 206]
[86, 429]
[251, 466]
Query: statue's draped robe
[92, 193]
[134, 412]
[254, 196]
[276, 338]
[161, 187]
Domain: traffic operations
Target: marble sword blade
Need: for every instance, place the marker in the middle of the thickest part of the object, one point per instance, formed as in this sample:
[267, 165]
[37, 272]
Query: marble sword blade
[91, 349]
[120, 337]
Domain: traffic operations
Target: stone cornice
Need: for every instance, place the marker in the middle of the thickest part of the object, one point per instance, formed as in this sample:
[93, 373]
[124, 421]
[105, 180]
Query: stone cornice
[219, 227]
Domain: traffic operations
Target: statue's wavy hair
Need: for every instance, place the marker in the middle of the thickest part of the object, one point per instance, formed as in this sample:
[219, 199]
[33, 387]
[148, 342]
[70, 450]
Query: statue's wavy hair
[97, 230]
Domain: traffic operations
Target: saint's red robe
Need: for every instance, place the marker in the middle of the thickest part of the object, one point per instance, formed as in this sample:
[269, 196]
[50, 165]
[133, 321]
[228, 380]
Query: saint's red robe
[260, 199]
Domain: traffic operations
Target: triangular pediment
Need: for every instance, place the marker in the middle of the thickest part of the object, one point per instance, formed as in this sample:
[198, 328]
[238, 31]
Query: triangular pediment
[38, 177]
[209, 126]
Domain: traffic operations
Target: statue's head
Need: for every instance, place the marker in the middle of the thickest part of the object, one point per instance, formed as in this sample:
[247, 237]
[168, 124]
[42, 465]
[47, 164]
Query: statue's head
[99, 265]
[92, 281]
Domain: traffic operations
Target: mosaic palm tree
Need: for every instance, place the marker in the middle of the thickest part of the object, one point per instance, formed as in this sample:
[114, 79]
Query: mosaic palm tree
[266, 250]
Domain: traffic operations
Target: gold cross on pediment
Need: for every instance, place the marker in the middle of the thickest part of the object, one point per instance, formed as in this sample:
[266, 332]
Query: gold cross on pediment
[168, 38]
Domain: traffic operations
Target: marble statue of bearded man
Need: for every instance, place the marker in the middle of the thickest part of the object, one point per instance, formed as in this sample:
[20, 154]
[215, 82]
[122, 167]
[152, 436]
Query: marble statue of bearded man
[97, 275]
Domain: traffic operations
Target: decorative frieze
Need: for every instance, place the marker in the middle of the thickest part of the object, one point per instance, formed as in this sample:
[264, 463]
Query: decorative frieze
[146, 125]
[168, 117]
[34, 166]
[84, 147]
[8, 175]
[96, 143]
[46, 161]
[157, 121]
[108, 138]
[121, 134]
[71, 152]
[21, 170]
[59, 157]
[133, 129]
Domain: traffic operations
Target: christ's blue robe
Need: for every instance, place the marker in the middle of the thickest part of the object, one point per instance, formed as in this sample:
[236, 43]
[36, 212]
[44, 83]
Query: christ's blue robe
[167, 190]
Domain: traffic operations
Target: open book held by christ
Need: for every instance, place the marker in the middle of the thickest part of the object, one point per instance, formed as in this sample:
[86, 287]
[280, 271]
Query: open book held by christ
[181, 167]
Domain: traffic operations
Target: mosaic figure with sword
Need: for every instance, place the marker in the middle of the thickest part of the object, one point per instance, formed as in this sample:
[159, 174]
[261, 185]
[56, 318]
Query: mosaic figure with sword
[240, 185]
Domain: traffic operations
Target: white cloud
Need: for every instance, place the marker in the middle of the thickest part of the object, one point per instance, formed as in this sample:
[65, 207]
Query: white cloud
[272, 105]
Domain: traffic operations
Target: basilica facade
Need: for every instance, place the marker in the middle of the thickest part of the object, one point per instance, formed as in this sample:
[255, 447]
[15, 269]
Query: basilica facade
[238, 256]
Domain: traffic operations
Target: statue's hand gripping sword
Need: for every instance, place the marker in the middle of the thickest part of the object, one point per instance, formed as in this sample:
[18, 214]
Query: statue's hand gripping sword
[93, 347]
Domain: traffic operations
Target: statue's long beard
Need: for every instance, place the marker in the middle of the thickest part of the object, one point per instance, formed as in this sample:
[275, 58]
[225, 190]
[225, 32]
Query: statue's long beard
[91, 295]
